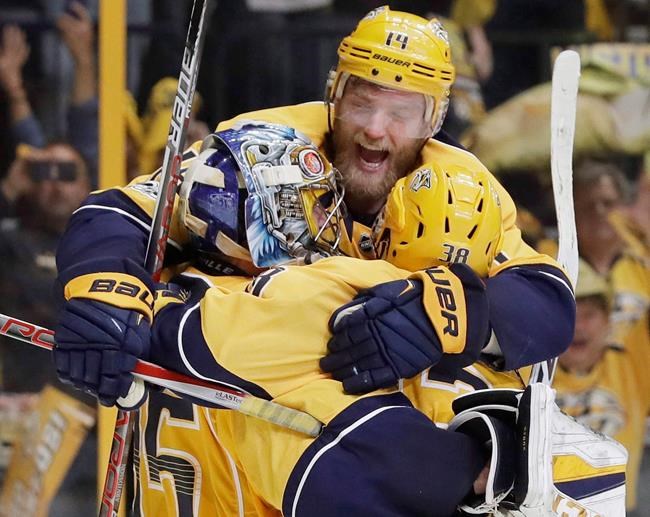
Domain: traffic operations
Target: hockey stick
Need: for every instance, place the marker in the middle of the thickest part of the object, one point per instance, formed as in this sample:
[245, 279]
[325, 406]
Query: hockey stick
[564, 96]
[213, 392]
[157, 244]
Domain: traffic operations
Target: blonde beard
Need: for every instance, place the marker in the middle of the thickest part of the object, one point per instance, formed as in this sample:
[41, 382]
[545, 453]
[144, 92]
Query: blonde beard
[361, 192]
[365, 193]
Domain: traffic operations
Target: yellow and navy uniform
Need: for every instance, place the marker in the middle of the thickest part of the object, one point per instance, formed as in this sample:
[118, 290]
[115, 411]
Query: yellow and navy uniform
[433, 391]
[182, 467]
[115, 224]
[275, 355]
[518, 273]
[613, 398]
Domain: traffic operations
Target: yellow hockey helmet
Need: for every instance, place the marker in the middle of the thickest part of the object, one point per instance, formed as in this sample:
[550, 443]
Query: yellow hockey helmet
[398, 50]
[439, 215]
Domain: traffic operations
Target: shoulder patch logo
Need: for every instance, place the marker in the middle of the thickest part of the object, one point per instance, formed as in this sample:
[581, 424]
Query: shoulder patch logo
[147, 188]
[422, 179]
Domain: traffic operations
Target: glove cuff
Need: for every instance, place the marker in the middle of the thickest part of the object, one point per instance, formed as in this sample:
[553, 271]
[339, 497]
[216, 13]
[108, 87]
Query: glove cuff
[445, 304]
[116, 289]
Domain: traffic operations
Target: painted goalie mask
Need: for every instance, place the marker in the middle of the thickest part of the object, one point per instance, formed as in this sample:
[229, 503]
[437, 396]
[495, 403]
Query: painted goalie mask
[263, 193]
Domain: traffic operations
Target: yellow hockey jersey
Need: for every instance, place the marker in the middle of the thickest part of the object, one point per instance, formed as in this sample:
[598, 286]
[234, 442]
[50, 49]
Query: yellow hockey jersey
[311, 119]
[629, 278]
[270, 339]
[124, 214]
[181, 466]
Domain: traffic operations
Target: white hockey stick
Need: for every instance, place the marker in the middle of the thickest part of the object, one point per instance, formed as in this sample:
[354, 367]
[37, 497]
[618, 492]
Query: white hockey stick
[564, 96]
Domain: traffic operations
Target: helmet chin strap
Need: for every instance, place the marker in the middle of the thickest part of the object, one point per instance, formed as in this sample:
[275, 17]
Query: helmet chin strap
[231, 249]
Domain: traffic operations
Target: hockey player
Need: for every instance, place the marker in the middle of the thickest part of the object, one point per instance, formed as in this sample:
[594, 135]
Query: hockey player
[210, 201]
[278, 357]
[109, 233]
[198, 335]
[386, 101]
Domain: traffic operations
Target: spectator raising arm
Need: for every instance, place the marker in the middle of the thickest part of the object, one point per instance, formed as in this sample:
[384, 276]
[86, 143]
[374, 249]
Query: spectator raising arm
[78, 34]
[13, 56]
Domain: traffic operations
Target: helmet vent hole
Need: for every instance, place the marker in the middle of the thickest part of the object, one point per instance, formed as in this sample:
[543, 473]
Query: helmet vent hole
[375, 71]
[446, 224]
[472, 232]
[487, 250]
[359, 52]
[427, 71]
[479, 208]
[420, 230]
[449, 198]
[264, 149]
[398, 78]
[394, 253]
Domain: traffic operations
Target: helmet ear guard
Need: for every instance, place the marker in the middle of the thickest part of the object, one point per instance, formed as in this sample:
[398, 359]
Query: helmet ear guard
[440, 215]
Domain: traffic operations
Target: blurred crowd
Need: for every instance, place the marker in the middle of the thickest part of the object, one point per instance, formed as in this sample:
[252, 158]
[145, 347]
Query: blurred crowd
[499, 110]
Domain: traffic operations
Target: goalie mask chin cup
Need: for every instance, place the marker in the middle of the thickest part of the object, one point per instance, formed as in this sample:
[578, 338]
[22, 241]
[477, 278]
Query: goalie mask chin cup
[264, 193]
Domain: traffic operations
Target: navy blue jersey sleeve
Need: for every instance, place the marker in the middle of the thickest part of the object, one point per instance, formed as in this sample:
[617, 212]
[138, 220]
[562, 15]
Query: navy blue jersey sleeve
[532, 313]
[109, 232]
[179, 344]
[111, 227]
[382, 457]
[106, 230]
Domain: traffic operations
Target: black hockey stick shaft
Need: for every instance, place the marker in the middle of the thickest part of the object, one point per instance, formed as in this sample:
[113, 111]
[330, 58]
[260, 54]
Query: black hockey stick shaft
[123, 432]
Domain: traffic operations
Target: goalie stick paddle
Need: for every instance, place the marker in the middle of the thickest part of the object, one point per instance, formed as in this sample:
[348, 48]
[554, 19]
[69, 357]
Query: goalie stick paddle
[123, 433]
[214, 392]
[564, 97]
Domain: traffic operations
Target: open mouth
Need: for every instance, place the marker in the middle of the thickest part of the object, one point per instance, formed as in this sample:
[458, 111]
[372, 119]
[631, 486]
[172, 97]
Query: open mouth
[371, 159]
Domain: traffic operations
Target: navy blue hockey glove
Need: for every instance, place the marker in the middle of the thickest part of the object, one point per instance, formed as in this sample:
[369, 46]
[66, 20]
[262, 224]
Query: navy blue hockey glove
[97, 346]
[104, 327]
[398, 329]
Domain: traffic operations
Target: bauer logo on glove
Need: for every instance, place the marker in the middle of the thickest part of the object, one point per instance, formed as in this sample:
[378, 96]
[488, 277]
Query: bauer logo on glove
[445, 299]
